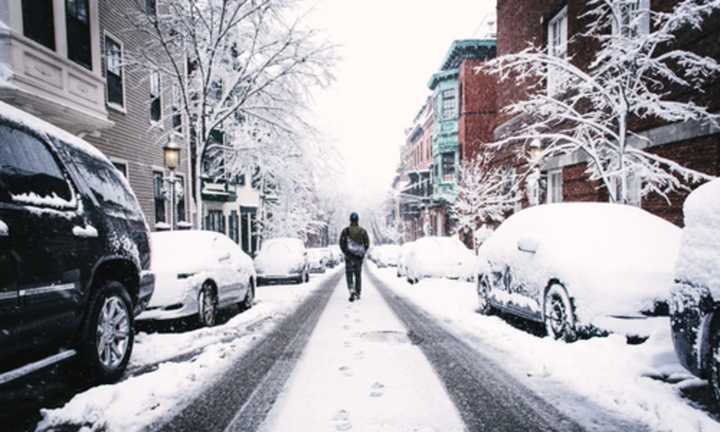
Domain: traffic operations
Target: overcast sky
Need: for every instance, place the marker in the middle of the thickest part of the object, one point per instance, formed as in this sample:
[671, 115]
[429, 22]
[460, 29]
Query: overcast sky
[389, 50]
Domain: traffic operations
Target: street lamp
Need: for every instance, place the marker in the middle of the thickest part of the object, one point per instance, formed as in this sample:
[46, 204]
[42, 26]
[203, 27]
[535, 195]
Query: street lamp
[171, 155]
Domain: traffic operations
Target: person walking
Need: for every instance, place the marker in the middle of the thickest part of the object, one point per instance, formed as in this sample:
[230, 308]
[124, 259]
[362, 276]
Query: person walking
[354, 243]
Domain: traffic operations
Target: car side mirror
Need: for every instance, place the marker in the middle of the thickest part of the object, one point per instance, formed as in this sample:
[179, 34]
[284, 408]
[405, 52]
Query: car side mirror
[528, 245]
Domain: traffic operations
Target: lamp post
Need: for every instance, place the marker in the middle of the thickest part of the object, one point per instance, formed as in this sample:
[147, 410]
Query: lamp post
[171, 155]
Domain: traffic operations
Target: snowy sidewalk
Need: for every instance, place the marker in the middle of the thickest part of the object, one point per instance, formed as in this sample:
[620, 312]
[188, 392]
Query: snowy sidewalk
[361, 372]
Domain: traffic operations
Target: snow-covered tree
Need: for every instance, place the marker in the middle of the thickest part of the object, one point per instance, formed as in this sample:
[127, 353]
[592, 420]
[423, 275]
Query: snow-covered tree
[636, 74]
[486, 194]
[231, 62]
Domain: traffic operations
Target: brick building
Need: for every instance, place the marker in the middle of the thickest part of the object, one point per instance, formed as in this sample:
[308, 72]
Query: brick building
[561, 22]
[465, 117]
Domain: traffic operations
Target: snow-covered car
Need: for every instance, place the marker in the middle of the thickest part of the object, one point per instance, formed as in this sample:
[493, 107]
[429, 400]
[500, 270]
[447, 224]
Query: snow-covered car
[331, 259]
[336, 254]
[403, 255]
[317, 260]
[74, 253]
[386, 255]
[439, 257]
[282, 259]
[695, 295]
[198, 273]
[580, 268]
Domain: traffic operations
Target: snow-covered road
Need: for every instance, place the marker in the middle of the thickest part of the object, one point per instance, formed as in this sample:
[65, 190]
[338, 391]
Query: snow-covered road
[599, 382]
[361, 371]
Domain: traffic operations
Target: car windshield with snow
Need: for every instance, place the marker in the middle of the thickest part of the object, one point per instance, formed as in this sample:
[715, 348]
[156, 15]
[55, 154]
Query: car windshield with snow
[579, 267]
[198, 273]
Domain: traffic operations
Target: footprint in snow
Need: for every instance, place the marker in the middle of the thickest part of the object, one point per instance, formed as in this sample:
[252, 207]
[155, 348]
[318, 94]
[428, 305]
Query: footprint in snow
[346, 371]
[377, 390]
[342, 421]
[359, 355]
[347, 344]
[346, 327]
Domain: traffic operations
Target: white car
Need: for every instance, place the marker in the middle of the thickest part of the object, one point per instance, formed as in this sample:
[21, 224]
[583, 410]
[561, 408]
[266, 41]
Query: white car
[403, 255]
[317, 260]
[198, 273]
[386, 255]
[580, 268]
[282, 259]
[439, 257]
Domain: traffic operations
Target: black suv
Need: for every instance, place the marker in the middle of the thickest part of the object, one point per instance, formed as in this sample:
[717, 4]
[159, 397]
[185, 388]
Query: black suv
[74, 253]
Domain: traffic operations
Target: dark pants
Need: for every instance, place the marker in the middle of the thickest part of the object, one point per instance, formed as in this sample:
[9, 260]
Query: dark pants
[353, 273]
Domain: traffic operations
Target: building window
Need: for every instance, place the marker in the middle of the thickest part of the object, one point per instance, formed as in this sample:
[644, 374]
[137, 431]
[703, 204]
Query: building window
[77, 13]
[634, 192]
[122, 167]
[554, 186]
[634, 18]
[180, 199]
[151, 7]
[155, 97]
[449, 103]
[248, 230]
[39, 22]
[557, 46]
[233, 226]
[176, 113]
[448, 167]
[215, 221]
[114, 71]
[159, 196]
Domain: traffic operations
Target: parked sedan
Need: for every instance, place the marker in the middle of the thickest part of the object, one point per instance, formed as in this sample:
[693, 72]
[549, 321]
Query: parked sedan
[386, 255]
[694, 303]
[579, 267]
[282, 259]
[403, 255]
[198, 273]
[439, 257]
[317, 260]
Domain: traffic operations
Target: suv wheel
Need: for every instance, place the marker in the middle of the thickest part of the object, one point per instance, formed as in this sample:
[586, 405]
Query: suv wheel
[207, 305]
[108, 338]
[559, 315]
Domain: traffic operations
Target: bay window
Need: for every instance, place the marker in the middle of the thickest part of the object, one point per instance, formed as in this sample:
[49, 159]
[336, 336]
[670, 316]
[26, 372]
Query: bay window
[77, 15]
[39, 22]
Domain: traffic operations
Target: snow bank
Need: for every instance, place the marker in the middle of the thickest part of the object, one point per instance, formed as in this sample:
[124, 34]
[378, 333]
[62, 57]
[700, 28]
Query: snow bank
[699, 258]
[144, 401]
[613, 259]
[607, 371]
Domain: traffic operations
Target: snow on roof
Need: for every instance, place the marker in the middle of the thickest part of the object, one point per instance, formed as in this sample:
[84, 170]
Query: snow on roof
[18, 116]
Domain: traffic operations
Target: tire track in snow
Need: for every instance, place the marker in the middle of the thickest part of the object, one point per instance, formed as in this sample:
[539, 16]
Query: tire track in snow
[241, 398]
[488, 398]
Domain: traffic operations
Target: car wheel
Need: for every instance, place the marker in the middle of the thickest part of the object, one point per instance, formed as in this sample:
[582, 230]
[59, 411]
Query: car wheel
[108, 337]
[249, 297]
[558, 314]
[207, 305]
[483, 288]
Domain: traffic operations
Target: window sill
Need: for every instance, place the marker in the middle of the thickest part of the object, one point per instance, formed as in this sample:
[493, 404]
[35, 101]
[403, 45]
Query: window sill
[117, 108]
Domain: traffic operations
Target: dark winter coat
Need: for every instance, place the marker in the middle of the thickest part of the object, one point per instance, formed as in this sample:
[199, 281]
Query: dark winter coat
[357, 234]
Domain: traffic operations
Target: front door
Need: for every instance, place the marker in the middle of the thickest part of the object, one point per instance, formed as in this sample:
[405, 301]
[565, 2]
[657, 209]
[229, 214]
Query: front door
[40, 209]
